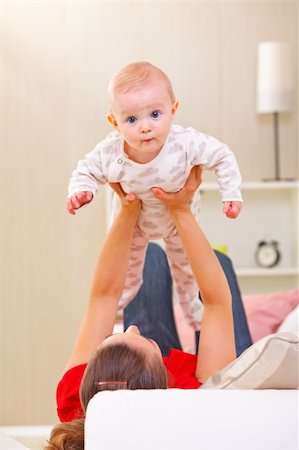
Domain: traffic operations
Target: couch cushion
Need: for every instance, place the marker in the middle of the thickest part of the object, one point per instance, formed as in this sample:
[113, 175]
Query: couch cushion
[291, 322]
[271, 363]
[8, 443]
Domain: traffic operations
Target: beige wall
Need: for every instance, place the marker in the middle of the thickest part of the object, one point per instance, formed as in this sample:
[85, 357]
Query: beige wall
[56, 59]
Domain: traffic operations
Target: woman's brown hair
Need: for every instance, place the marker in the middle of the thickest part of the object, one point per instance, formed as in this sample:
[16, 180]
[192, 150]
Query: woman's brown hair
[111, 363]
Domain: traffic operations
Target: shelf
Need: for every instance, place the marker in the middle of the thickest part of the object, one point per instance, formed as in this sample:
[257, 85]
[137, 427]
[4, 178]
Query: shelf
[256, 185]
[270, 213]
[264, 272]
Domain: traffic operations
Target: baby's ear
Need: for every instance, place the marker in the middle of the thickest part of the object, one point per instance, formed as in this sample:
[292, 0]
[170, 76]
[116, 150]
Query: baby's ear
[112, 120]
[175, 106]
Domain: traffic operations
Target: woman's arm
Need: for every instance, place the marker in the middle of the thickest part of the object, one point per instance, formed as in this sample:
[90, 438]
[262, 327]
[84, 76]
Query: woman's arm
[108, 282]
[216, 345]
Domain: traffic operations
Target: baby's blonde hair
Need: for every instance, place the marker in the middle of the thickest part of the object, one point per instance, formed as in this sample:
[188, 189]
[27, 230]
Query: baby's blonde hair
[134, 76]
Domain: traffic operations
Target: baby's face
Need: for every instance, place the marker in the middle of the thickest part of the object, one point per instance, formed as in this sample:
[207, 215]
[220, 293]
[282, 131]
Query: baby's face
[143, 116]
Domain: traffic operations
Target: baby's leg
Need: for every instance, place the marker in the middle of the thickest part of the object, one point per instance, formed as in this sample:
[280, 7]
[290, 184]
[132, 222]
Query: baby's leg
[135, 269]
[184, 281]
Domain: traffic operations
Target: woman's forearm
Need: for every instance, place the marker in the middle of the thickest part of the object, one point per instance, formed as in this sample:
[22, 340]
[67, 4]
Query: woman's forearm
[112, 263]
[216, 344]
[107, 286]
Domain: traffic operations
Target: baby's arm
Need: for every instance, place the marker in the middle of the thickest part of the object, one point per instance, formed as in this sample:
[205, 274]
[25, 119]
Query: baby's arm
[85, 179]
[77, 200]
[212, 154]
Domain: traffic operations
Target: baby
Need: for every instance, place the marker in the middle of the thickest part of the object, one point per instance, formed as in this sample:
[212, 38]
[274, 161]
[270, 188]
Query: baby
[146, 150]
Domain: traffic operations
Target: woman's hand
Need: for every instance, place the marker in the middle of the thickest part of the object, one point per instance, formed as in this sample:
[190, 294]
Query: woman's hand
[127, 200]
[180, 201]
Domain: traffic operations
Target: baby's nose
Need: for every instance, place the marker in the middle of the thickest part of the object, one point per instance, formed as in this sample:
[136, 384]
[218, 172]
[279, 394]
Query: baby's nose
[145, 126]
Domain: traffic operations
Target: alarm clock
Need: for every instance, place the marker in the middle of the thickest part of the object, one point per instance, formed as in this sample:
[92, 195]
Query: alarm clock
[267, 254]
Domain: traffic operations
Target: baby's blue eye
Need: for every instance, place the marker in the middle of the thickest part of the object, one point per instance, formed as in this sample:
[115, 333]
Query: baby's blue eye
[131, 119]
[155, 114]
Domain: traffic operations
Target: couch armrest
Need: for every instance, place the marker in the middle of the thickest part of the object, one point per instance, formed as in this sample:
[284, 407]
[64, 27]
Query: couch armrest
[192, 420]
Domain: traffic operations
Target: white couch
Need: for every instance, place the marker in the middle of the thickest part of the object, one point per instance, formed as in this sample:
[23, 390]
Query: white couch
[25, 437]
[8, 443]
[251, 404]
[176, 419]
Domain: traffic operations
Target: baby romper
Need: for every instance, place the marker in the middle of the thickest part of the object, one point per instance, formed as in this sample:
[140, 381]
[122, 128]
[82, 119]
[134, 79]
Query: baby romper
[183, 149]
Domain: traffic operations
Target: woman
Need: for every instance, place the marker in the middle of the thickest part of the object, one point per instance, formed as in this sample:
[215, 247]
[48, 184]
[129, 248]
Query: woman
[128, 360]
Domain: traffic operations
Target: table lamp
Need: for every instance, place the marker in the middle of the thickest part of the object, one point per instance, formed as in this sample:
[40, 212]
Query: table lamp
[274, 87]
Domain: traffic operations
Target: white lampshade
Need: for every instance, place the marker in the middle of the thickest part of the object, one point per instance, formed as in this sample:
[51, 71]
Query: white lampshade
[274, 78]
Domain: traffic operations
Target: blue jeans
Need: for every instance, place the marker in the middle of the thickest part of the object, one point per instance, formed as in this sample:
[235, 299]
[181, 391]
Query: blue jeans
[152, 308]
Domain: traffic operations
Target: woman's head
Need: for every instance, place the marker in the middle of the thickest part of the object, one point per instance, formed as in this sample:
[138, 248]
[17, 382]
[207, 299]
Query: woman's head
[124, 357]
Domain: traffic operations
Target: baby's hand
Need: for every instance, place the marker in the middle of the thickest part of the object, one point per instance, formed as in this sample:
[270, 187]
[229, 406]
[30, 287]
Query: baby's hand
[77, 200]
[232, 209]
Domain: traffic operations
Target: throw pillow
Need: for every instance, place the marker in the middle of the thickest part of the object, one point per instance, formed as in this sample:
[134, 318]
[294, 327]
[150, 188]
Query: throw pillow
[271, 363]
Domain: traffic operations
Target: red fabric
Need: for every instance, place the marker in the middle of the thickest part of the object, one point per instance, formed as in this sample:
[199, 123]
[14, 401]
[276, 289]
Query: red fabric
[67, 394]
[180, 367]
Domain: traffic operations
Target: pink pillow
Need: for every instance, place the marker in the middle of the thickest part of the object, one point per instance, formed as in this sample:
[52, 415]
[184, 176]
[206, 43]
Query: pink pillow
[266, 312]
